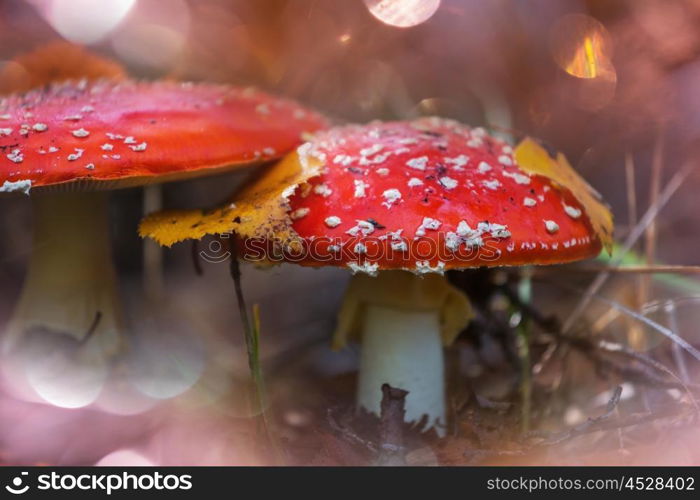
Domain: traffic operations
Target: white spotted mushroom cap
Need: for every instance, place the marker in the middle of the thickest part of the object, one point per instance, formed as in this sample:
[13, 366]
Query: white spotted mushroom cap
[105, 135]
[431, 195]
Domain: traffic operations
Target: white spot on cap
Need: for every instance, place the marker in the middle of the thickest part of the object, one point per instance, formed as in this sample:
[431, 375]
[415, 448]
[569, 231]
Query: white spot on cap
[505, 160]
[360, 188]
[15, 156]
[391, 196]
[362, 226]
[90, 166]
[81, 132]
[518, 178]
[376, 148]
[572, 212]
[107, 147]
[484, 167]
[552, 227]
[130, 140]
[499, 231]
[458, 161]
[23, 186]
[360, 248]
[453, 241]
[399, 246]
[418, 163]
[139, 147]
[40, 127]
[414, 181]
[529, 202]
[424, 267]
[383, 172]
[448, 182]
[493, 184]
[333, 221]
[5, 131]
[343, 160]
[464, 230]
[365, 267]
[323, 190]
[428, 223]
[299, 213]
[74, 156]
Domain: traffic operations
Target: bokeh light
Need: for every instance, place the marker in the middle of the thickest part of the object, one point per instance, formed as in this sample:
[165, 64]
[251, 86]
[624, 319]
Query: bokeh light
[581, 46]
[403, 13]
[84, 21]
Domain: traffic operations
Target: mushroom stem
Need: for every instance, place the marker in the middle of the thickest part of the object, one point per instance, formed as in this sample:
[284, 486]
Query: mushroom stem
[70, 280]
[403, 348]
[403, 321]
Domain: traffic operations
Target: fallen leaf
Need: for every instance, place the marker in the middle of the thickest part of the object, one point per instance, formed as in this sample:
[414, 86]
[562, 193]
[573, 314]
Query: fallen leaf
[261, 209]
[534, 159]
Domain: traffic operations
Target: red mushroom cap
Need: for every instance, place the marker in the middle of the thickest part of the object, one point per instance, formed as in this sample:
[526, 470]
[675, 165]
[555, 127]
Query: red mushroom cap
[117, 134]
[431, 195]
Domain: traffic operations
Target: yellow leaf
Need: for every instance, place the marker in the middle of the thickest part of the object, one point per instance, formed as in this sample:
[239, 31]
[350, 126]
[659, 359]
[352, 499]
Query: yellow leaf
[261, 209]
[534, 159]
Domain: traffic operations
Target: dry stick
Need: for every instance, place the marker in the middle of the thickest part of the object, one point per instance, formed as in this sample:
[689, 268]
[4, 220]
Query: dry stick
[670, 269]
[676, 351]
[653, 324]
[657, 163]
[668, 191]
[550, 325]
[393, 409]
[645, 360]
[591, 422]
[609, 424]
[631, 184]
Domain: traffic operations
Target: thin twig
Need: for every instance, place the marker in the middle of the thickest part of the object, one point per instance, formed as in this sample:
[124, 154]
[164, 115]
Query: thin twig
[657, 163]
[631, 190]
[92, 328]
[251, 333]
[651, 213]
[670, 269]
[589, 424]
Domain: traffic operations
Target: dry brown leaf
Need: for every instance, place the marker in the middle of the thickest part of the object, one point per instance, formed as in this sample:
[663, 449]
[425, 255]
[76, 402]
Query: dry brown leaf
[534, 159]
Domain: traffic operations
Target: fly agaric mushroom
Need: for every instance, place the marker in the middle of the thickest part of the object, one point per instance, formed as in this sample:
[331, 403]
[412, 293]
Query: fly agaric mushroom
[69, 143]
[399, 204]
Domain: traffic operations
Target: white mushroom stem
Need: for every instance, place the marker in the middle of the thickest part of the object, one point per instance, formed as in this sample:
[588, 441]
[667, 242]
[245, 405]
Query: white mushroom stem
[403, 321]
[70, 278]
[404, 349]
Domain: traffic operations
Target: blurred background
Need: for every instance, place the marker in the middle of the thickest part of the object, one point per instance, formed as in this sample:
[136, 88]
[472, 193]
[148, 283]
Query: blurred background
[611, 83]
